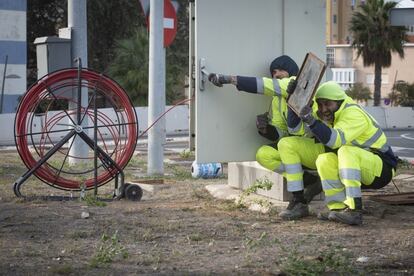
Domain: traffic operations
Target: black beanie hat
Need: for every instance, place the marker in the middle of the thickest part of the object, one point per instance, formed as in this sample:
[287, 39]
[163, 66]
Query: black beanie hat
[285, 63]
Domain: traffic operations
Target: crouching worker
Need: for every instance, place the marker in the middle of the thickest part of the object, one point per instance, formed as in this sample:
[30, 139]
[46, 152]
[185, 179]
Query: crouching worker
[357, 155]
[283, 69]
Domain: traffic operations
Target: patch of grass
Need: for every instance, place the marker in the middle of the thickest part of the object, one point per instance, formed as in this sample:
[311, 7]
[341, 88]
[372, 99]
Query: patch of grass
[186, 153]
[151, 258]
[230, 205]
[64, 269]
[109, 250]
[261, 240]
[149, 235]
[179, 172]
[263, 183]
[333, 260]
[195, 237]
[404, 164]
[259, 184]
[79, 235]
[137, 162]
[92, 200]
[201, 193]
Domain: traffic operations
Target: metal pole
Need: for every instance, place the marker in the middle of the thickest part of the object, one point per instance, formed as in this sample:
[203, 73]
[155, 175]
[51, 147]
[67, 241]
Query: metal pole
[77, 22]
[2, 85]
[156, 87]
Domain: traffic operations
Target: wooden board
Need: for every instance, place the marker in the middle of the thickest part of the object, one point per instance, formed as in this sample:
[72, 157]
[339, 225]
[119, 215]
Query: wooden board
[394, 199]
[310, 74]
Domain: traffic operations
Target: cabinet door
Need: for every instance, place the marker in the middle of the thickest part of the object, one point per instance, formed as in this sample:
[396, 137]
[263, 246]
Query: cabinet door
[242, 37]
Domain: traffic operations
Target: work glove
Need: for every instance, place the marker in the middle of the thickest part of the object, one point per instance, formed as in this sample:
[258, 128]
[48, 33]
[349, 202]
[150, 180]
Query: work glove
[219, 79]
[306, 115]
[291, 87]
[262, 120]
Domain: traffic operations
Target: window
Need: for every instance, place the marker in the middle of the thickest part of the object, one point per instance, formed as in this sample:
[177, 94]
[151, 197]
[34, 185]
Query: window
[334, 19]
[330, 57]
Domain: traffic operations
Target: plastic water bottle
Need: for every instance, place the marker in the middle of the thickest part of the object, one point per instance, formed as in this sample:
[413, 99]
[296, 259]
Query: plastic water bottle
[206, 170]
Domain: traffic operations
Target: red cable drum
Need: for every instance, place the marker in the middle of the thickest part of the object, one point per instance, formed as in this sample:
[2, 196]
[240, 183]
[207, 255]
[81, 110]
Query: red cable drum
[40, 124]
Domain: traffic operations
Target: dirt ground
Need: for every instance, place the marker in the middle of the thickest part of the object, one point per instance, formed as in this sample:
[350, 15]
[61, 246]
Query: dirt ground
[182, 230]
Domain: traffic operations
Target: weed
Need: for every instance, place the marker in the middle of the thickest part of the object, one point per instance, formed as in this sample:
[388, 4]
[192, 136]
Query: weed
[200, 193]
[252, 243]
[186, 153]
[148, 235]
[179, 173]
[404, 164]
[264, 184]
[136, 162]
[264, 203]
[329, 260]
[109, 249]
[196, 237]
[92, 200]
[229, 205]
[79, 235]
[151, 258]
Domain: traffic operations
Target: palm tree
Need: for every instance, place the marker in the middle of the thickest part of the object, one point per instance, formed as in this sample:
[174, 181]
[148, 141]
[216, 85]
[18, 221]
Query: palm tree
[375, 39]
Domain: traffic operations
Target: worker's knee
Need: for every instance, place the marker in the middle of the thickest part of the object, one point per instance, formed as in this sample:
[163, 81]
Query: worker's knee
[326, 159]
[287, 143]
[264, 154]
[261, 154]
[345, 151]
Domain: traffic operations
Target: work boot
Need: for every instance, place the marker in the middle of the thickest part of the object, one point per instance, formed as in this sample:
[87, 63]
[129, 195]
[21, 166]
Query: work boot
[313, 186]
[295, 210]
[346, 216]
[312, 190]
[324, 215]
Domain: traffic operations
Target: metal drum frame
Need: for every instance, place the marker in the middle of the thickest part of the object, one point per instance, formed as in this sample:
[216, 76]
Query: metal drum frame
[51, 116]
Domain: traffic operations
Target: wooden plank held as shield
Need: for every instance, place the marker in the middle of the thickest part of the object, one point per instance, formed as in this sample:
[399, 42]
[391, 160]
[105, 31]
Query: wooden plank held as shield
[310, 74]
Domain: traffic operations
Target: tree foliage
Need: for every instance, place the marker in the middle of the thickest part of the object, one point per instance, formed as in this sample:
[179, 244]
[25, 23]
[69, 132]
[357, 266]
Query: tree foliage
[403, 94]
[375, 39]
[115, 27]
[44, 18]
[359, 92]
[130, 66]
[109, 21]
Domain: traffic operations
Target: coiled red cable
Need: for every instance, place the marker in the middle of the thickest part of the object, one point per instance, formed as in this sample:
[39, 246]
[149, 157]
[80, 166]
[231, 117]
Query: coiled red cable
[55, 87]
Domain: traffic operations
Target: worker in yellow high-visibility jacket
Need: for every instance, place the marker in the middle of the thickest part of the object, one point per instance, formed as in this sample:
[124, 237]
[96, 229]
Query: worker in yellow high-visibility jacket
[272, 126]
[350, 153]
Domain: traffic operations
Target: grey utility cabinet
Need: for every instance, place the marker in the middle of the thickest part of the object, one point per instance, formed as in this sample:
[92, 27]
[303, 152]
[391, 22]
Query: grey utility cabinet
[53, 53]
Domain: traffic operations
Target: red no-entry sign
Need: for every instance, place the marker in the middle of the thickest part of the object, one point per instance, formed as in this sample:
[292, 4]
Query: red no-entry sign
[169, 22]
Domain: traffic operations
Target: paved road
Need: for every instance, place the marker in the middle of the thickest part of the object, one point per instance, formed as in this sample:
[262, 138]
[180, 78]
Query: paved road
[402, 142]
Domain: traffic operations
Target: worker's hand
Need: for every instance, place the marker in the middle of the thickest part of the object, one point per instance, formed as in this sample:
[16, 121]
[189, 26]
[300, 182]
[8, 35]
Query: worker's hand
[219, 79]
[291, 87]
[306, 115]
[262, 121]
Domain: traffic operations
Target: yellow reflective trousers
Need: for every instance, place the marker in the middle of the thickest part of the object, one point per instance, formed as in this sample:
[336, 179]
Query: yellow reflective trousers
[342, 172]
[292, 153]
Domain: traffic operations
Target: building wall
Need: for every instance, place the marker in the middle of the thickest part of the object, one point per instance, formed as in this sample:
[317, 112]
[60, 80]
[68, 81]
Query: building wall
[400, 69]
[13, 45]
[338, 14]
